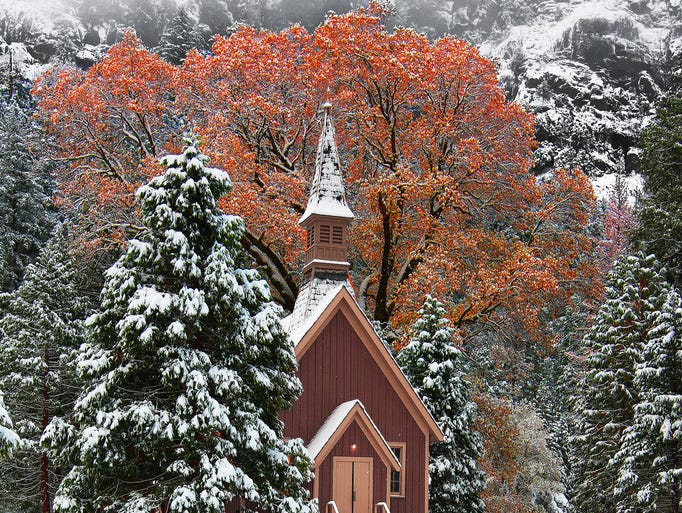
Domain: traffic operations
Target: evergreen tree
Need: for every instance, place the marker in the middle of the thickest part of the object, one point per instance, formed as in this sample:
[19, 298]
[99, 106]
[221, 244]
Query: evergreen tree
[26, 218]
[554, 378]
[14, 86]
[434, 366]
[607, 393]
[660, 217]
[148, 17]
[189, 368]
[650, 457]
[179, 38]
[216, 16]
[39, 333]
[8, 437]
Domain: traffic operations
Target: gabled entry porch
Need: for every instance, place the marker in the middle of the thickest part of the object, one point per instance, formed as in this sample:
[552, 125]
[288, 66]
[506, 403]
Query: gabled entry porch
[353, 462]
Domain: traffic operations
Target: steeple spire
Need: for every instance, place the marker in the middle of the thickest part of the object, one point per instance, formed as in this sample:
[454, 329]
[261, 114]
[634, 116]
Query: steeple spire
[325, 220]
[327, 194]
[327, 214]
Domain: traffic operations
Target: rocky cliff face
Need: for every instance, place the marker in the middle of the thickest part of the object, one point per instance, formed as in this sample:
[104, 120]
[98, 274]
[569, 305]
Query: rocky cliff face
[591, 70]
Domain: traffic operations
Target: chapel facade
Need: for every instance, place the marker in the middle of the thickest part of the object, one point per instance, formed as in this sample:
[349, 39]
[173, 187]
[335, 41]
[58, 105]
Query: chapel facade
[365, 428]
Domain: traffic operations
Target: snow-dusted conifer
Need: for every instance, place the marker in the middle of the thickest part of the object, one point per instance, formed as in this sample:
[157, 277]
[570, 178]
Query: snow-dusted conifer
[179, 38]
[434, 367]
[607, 394]
[39, 334]
[26, 219]
[659, 227]
[189, 367]
[8, 437]
[650, 466]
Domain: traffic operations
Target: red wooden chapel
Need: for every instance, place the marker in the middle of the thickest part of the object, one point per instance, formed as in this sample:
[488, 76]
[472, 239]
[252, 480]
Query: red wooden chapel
[365, 428]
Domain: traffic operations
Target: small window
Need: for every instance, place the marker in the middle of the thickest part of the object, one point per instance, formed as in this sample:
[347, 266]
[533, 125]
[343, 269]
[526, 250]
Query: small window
[337, 235]
[324, 234]
[397, 486]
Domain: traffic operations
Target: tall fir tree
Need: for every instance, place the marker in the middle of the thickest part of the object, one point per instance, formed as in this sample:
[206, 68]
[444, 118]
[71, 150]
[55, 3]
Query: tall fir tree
[39, 335]
[189, 368]
[650, 456]
[26, 216]
[660, 216]
[435, 368]
[180, 37]
[607, 394]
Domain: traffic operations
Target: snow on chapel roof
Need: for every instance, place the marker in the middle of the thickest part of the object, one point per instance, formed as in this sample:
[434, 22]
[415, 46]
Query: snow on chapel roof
[327, 194]
[330, 428]
[302, 333]
[313, 298]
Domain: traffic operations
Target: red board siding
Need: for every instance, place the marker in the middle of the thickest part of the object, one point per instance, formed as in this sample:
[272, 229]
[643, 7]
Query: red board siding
[338, 368]
[353, 435]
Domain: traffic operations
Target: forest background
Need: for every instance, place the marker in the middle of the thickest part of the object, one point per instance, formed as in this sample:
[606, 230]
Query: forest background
[473, 178]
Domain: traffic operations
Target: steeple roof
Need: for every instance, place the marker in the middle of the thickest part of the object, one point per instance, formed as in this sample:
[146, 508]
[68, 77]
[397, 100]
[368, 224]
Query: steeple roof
[327, 193]
[326, 219]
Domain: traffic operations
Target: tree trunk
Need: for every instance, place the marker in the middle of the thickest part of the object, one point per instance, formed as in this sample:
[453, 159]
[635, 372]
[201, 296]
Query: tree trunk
[44, 463]
[676, 492]
[381, 310]
[44, 489]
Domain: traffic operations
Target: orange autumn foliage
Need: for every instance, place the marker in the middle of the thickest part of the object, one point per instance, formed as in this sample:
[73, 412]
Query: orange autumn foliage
[502, 454]
[437, 163]
[109, 125]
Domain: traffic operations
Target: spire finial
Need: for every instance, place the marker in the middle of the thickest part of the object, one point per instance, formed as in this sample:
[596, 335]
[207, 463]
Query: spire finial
[325, 109]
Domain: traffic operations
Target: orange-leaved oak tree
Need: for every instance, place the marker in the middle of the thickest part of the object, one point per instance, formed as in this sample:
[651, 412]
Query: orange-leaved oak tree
[107, 126]
[436, 163]
[254, 101]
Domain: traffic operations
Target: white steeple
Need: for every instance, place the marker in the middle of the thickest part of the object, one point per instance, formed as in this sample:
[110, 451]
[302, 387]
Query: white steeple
[327, 193]
[326, 220]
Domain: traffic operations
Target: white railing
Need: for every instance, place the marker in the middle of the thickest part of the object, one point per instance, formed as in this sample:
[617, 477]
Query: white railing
[332, 508]
[381, 507]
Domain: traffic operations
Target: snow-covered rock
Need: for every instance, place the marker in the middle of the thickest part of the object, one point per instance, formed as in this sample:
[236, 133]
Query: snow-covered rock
[16, 56]
[89, 55]
[591, 71]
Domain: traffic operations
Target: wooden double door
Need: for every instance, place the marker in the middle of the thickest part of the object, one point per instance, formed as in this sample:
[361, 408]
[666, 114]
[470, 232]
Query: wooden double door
[352, 489]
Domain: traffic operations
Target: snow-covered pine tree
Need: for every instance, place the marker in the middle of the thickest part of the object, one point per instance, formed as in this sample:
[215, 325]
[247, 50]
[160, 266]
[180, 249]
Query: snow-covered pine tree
[434, 367]
[607, 394]
[8, 437]
[659, 227]
[179, 37]
[650, 456]
[39, 333]
[26, 218]
[189, 368]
